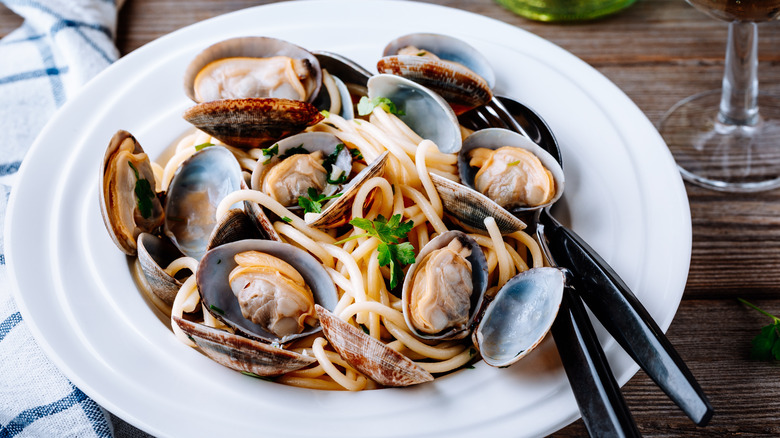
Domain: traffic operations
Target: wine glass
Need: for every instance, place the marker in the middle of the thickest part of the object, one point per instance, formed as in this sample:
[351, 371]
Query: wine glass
[719, 138]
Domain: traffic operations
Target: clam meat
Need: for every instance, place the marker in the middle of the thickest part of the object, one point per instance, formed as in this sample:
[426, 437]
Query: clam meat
[128, 201]
[272, 293]
[234, 78]
[512, 177]
[441, 289]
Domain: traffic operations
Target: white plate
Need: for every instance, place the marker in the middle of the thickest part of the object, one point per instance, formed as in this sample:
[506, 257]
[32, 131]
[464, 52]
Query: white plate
[76, 292]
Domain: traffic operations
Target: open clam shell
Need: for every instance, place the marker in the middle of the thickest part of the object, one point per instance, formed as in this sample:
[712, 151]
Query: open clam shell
[218, 297]
[125, 166]
[425, 112]
[256, 47]
[519, 316]
[154, 254]
[461, 75]
[305, 143]
[469, 208]
[234, 225]
[494, 138]
[195, 191]
[337, 211]
[368, 355]
[450, 296]
[243, 354]
[350, 78]
[252, 122]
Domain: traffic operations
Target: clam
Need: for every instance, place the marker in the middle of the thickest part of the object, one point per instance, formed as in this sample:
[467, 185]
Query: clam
[370, 356]
[446, 65]
[350, 80]
[249, 67]
[318, 161]
[443, 291]
[265, 290]
[243, 354]
[154, 254]
[252, 122]
[252, 91]
[128, 203]
[195, 191]
[519, 316]
[503, 178]
[424, 111]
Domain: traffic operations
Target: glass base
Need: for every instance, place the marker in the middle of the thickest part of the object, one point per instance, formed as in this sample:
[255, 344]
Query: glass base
[718, 156]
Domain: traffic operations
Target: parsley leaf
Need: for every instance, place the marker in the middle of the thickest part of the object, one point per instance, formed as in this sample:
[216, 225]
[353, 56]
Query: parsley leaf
[356, 154]
[202, 146]
[269, 153]
[313, 203]
[513, 163]
[766, 345]
[294, 151]
[325, 113]
[287, 219]
[143, 193]
[391, 253]
[366, 106]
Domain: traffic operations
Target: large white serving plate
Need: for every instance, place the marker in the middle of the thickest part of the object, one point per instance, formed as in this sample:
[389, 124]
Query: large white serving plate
[76, 291]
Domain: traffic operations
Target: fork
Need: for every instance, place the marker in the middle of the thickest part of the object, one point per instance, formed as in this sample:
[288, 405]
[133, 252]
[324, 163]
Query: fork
[602, 289]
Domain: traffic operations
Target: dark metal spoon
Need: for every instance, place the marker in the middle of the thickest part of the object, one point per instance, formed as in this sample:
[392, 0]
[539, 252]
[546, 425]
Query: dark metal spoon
[605, 293]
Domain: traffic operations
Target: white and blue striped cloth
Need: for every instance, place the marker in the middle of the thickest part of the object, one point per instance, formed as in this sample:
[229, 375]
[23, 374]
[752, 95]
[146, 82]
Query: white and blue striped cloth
[61, 45]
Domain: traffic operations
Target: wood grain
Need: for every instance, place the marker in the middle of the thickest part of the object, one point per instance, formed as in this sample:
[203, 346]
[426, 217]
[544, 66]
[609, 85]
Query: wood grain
[657, 52]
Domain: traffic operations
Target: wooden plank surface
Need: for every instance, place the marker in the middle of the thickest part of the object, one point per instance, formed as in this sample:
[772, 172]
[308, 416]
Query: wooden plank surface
[657, 52]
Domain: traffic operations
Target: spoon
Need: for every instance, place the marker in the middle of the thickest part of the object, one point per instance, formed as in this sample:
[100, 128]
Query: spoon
[602, 289]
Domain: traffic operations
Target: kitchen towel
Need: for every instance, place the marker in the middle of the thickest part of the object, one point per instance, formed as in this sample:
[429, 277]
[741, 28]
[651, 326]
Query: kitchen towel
[60, 46]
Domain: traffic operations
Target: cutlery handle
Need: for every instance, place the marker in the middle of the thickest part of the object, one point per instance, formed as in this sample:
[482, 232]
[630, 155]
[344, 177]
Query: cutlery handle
[603, 408]
[627, 320]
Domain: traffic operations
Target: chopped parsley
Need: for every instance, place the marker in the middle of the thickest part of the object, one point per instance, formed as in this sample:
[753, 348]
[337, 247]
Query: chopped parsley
[513, 163]
[216, 309]
[366, 106]
[294, 151]
[287, 219]
[269, 153]
[144, 194]
[202, 146]
[356, 154]
[325, 113]
[313, 202]
[391, 252]
[247, 373]
[766, 345]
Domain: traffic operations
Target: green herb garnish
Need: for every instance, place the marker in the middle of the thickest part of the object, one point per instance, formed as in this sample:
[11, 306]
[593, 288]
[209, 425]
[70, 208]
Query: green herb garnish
[423, 53]
[294, 151]
[766, 345]
[269, 153]
[143, 193]
[356, 154]
[366, 106]
[202, 146]
[390, 251]
[216, 309]
[247, 373]
[325, 113]
[287, 219]
[313, 203]
[513, 163]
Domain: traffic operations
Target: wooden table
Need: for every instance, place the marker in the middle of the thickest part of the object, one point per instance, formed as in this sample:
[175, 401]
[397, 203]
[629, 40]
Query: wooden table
[657, 51]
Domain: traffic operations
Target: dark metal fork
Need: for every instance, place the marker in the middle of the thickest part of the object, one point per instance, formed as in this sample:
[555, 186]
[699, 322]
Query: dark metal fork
[602, 289]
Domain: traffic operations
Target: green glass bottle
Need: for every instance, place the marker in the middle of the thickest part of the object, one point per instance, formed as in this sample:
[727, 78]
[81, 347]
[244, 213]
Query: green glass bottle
[564, 10]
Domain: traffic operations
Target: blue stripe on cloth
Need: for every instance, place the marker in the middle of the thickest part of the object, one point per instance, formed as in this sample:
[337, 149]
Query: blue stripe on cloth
[9, 323]
[57, 88]
[60, 18]
[29, 416]
[2, 259]
[7, 42]
[65, 24]
[96, 417]
[6, 169]
[9, 168]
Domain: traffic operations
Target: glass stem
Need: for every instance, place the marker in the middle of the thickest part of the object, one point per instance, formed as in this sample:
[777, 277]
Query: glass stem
[739, 101]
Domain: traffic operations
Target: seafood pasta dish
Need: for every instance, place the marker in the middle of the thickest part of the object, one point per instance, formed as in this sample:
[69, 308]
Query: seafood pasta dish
[328, 228]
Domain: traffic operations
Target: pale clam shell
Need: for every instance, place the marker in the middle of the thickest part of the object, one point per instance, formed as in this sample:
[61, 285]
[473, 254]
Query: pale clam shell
[243, 354]
[479, 275]
[154, 254]
[370, 356]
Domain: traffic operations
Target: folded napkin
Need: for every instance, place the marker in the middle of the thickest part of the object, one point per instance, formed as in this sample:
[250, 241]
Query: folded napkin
[61, 45]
